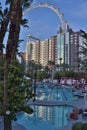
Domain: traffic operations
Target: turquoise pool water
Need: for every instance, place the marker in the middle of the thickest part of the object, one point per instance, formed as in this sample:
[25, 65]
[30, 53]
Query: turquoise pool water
[54, 94]
[45, 118]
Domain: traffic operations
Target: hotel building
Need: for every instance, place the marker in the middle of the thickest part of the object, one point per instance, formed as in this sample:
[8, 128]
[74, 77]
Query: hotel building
[33, 51]
[62, 48]
[44, 52]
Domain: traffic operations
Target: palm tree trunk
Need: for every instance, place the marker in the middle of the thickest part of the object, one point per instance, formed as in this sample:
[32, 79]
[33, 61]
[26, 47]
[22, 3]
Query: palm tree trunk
[3, 30]
[35, 86]
[7, 121]
[12, 44]
[16, 16]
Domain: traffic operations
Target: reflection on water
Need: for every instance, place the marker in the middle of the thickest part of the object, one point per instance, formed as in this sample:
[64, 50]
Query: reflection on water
[45, 118]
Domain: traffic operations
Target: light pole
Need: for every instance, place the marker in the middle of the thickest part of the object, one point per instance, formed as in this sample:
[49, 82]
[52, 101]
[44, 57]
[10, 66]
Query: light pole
[78, 68]
[35, 76]
[41, 74]
[51, 71]
[60, 59]
[35, 86]
[8, 121]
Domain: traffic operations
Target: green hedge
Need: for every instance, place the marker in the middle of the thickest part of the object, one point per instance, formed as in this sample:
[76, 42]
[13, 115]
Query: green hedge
[79, 126]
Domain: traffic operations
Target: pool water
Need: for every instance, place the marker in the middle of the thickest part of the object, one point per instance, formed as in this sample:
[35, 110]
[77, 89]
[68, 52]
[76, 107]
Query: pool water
[45, 118]
[58, 94]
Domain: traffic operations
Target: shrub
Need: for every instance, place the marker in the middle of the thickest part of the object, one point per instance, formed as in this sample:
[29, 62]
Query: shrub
[77, 126]
[73, 116]
[84, 126]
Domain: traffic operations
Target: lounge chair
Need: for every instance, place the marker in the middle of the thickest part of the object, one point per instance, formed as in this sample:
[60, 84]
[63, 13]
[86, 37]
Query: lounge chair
[84, 115]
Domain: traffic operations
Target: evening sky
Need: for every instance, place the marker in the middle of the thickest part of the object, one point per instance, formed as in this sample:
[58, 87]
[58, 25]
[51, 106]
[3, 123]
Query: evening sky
[43, 22]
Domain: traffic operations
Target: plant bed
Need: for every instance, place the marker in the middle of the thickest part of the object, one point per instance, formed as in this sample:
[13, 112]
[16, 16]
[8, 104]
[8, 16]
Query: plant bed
[79, 126]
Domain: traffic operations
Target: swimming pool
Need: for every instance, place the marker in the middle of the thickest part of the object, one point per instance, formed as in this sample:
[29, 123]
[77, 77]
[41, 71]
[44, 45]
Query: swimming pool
[45, 118]
[56, 94]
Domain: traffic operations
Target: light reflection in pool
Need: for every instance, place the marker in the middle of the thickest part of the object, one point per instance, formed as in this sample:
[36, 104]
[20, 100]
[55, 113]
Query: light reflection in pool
[45, 118]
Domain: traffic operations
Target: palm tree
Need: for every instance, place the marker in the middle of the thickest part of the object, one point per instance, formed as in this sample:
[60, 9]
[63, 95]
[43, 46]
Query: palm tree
[12, 44]
[84, 53]
[84, 47]
[60, 60]
[51, 66]
[65, 66]
[57, 67]
[4, 21]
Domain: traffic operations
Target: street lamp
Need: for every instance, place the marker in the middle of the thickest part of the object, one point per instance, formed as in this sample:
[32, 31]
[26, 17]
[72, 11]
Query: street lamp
[78, 68]
[35, 76]
[60, 59]
[8, 113]
[41, 70]
[8, 121]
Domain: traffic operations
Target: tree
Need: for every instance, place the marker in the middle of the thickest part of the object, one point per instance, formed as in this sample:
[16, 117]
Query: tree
[83, 51]
[15, 18]
[57, 67]
[79, 126]
[57, 75]
[65, 66]
[2, 68]
[51, 66]
[4, 21]
[18, 91]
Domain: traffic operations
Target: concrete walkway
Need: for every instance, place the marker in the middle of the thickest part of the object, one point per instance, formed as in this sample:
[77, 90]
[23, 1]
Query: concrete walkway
[14, 126]
[78, 103]
[18, 127]
[51, 103]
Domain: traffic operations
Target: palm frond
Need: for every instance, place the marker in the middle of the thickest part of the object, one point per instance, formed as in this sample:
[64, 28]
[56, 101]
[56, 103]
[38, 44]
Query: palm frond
[83, 33]
[0, 12]
[5, 11]
[25, 26]
[85, 42]
[0, 6]
[8, 2]
[0, 9]
[83, 52]
[26, 3]
[20, 40]
[24, 22]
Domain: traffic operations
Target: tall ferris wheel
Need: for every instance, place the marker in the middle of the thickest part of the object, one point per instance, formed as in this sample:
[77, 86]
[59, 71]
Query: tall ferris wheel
[46, 5]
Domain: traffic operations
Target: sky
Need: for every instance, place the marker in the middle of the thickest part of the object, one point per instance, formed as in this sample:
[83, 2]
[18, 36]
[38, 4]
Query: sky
[43, 22]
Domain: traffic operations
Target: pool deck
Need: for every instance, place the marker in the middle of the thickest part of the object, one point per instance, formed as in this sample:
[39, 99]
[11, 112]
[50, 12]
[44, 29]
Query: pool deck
[77, 103]
[14, 126]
